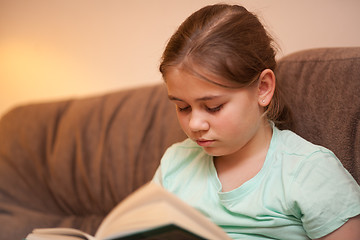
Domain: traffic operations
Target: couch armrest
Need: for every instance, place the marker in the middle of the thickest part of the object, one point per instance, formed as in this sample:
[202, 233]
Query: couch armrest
[69, 163]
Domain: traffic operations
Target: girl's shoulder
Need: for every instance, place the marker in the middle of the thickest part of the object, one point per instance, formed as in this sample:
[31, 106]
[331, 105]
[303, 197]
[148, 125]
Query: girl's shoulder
[290, 143]
[317, 185]
[298, 156]
[187, 143]
[183, 152]
[187, 146]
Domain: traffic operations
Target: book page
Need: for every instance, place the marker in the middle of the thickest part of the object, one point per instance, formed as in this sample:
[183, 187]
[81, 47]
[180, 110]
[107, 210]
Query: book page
[145, 218]
[136, 211]
[59, 233]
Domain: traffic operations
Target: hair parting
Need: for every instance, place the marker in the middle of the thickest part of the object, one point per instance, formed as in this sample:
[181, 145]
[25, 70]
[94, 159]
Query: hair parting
[229, 43]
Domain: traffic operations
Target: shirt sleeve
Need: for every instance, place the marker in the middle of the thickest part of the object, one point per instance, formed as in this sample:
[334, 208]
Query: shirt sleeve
[163, 168]
[158, 177]
[324, 194]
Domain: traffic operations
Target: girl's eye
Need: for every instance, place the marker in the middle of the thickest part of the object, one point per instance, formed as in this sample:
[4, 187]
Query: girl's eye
[180, 109]
[215, 109]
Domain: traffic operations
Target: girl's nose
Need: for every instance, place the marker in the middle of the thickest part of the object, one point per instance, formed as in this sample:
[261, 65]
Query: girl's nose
[198, 122]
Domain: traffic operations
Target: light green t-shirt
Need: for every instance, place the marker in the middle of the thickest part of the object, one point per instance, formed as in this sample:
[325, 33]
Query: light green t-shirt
[301, 192]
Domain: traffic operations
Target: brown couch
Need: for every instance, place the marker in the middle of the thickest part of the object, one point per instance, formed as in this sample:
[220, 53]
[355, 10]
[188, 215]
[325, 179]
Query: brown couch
[68, 163]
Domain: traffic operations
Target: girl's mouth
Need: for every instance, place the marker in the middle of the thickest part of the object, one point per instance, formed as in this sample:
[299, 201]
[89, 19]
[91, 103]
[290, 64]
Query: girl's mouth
[204, 143]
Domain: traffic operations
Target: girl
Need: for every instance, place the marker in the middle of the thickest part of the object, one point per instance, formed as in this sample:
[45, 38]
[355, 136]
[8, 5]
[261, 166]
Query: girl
[237, 167]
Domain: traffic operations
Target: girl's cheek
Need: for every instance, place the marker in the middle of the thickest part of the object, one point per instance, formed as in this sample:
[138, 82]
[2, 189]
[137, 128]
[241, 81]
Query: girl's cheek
[183, 122]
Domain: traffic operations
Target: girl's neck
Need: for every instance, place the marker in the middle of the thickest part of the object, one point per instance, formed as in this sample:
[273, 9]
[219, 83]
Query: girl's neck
[234, 170]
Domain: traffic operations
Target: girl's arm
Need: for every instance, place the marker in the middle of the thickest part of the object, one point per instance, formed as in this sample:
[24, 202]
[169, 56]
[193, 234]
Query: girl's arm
[349, 231]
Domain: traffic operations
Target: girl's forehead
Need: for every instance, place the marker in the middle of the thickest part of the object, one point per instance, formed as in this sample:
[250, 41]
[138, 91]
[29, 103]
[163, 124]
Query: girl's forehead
[184, 85]
[181, 76]
[198, 73]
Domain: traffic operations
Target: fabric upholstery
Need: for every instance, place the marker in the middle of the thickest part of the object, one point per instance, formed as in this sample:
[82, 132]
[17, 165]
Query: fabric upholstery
[322, 87]
[68, 163]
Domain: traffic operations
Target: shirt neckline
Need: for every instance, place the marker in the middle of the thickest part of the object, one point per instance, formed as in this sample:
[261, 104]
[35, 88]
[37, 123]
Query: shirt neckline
[251, 184]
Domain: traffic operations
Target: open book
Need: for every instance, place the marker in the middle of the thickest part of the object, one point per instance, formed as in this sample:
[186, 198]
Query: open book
[149, 213]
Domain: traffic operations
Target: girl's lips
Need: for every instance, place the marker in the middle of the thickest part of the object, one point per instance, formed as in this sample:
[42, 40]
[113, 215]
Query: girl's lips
[204, 143]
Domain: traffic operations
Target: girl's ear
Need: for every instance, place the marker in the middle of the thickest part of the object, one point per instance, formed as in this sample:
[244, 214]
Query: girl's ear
[266, 87]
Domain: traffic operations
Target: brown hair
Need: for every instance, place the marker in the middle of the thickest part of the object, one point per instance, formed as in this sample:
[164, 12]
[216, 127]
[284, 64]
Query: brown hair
[229, 42]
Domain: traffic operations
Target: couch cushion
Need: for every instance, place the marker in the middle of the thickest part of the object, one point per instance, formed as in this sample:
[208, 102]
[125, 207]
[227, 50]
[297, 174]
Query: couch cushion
[69, 163]
[322, 87]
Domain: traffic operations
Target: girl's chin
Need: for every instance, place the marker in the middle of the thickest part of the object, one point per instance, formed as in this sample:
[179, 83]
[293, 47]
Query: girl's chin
[219, 151]
[215, 152]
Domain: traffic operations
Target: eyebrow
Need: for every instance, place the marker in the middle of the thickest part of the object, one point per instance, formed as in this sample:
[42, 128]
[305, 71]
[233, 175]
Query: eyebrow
[205, 98]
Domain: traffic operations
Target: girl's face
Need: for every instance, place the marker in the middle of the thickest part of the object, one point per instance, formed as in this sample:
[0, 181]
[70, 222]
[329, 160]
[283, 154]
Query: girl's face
[224, 121]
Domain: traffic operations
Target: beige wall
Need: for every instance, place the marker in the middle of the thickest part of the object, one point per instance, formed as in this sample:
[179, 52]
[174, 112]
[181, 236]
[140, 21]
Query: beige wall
[51, 49]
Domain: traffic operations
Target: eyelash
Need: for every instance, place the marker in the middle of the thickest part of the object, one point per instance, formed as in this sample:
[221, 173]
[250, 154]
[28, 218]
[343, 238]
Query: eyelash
[211, 110]
[183, 109]
[215, 109]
